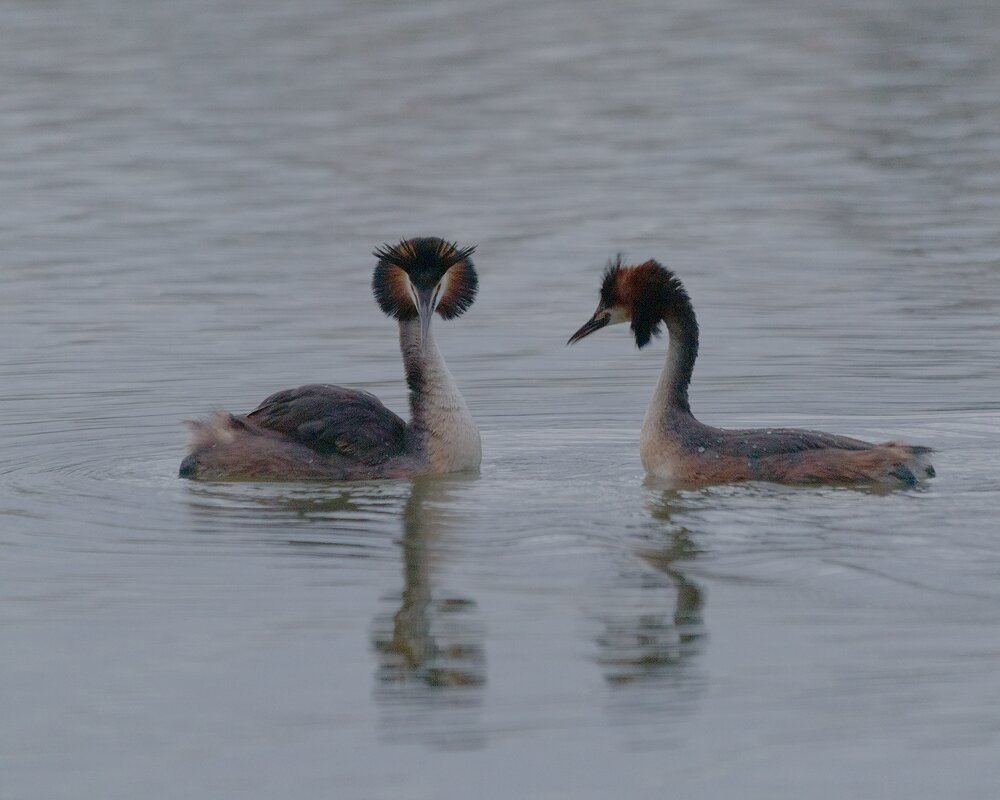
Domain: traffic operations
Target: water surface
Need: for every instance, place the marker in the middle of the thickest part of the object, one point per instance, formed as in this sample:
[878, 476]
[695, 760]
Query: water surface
[192, 191]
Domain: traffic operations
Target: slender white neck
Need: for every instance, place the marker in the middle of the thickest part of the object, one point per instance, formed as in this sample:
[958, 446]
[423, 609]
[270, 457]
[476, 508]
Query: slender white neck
[439, 415]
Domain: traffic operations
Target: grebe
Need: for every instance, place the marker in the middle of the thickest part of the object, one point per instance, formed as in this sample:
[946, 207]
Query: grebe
[333, 433]
[677, 447]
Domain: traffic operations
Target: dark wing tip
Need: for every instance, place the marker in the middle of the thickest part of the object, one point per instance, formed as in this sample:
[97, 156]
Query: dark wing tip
[189, 467]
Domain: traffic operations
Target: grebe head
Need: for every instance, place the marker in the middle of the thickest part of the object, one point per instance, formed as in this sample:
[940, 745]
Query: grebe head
[644, 295]
[417, 277]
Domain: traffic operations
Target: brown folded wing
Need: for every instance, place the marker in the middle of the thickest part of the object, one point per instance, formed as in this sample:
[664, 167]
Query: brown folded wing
[333, 420]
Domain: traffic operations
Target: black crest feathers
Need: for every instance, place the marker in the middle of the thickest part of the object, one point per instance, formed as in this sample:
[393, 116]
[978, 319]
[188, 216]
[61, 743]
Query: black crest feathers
[610, 278]
[641, 291]
[424, 262]
[651, 294]
[659, 295]
[648, 303]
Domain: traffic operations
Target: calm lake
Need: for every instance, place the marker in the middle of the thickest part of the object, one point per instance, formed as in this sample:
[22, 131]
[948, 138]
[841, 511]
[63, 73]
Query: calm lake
[191, 191]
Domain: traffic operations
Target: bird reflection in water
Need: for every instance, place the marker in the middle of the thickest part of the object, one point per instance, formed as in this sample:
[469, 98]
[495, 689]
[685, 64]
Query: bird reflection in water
[430, 646]
[652, 625]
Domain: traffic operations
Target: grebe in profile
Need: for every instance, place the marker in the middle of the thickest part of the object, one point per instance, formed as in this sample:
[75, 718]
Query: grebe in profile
[333, 433]
[676, 446]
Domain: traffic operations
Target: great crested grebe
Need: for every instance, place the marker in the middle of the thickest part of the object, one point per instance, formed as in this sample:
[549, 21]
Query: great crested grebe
[676, 446]
[333, 433]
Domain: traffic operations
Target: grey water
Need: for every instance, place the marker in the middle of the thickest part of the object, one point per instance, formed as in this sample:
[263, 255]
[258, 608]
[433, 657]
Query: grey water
[190, 194]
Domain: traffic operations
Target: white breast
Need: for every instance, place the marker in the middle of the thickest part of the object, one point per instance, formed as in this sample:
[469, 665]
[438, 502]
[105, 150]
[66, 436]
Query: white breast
[453, 442]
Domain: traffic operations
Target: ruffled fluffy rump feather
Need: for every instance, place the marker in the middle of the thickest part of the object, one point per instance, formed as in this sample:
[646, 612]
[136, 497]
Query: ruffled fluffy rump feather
[227, 448]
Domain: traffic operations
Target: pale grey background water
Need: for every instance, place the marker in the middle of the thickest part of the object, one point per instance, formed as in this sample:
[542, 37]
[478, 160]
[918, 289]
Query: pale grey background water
[190, 193]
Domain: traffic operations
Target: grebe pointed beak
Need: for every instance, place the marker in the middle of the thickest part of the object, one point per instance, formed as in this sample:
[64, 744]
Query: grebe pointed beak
[595, 323]
[425, 310]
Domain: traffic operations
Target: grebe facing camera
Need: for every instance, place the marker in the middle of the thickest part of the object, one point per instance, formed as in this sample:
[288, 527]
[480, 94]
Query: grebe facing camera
[323, 432]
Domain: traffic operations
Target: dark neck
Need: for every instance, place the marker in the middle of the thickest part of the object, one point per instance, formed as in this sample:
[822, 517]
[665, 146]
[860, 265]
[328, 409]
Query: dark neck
[682, 327]
[415, 368]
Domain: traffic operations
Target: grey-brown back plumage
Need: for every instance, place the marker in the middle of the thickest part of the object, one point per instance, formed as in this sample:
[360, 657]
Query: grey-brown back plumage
[761, 442]
[333, 420]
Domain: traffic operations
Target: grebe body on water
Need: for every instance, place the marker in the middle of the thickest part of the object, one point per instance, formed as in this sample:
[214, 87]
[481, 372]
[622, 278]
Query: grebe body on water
[332, 433]
[676, 446]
